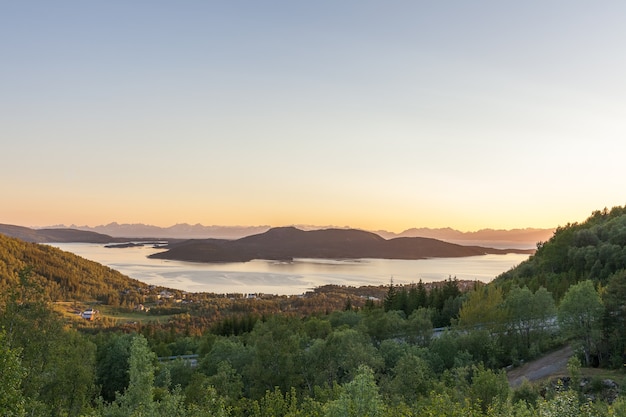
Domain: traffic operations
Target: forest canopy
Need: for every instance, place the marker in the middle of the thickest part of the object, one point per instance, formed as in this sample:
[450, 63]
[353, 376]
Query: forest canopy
[594, 250]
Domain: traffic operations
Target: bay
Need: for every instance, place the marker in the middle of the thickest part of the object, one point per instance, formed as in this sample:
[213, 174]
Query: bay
[287, 278]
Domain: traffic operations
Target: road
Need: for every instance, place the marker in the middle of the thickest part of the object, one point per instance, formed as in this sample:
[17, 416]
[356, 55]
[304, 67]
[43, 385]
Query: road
[554, 363]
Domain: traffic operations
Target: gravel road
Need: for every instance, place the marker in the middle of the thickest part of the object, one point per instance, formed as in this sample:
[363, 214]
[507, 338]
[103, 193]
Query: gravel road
[554, 363]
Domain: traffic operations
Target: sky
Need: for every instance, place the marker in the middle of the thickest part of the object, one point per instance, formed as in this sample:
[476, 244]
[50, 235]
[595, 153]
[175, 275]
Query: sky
[368, 114]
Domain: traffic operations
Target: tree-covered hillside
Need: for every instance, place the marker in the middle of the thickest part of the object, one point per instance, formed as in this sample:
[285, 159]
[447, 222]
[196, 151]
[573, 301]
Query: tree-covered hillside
[65, 276]
[594, 250]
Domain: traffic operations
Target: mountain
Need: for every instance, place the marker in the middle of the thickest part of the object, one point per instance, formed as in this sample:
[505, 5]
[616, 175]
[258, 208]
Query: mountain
[498, 238]
[54, 235]
[515, 238]
[594, 249]
[177, 231]
[286, 243]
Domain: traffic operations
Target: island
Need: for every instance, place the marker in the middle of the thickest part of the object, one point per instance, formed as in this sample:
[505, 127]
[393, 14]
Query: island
[288, 243]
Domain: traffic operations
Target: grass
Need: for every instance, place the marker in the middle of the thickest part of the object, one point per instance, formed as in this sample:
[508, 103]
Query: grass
[616, 375]
[124, 315]
[72, 309]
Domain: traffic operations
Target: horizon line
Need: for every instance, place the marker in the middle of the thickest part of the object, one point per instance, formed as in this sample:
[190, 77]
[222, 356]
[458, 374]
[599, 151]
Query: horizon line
[299, 225]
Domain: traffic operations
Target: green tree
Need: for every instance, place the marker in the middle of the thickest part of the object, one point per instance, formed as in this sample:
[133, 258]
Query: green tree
[483, 309]
[11, 374]
[579, 317]
[529, 314]
[420, 326]
[345, 318]
[451, 288]
[421, 295]
[230, 349]
[444, 405]
[573, 368]
[381, 325]
[202, 399]
[174, 373]
[227, 382]
[336, 359]
[275, 404]
[482, 347]
[614, 320]
[137, 400]
[391, 298]
[565, 404]
[277, 347]
[489, 388]
[446, 349]
[525, 393]
[112, 364]
[360, 397]
[412, 378]
[71, 365]
[317, 328]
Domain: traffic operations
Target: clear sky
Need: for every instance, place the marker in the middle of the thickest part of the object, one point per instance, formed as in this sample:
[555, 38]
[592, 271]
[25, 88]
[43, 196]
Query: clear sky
[369, 114]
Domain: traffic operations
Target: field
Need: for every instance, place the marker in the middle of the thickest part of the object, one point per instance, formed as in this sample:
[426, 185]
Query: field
[72, 310]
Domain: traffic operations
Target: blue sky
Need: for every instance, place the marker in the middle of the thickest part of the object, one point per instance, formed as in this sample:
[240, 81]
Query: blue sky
[379, 115]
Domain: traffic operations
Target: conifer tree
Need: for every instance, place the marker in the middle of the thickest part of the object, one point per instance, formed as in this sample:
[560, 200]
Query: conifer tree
[390, 299]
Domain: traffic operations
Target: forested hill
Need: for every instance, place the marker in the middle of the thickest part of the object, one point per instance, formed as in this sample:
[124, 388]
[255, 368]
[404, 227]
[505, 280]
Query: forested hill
[594, 249]
[63, 275]
[286, 243]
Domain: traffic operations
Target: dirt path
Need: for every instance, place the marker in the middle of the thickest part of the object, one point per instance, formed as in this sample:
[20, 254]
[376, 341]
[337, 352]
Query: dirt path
[554, 363]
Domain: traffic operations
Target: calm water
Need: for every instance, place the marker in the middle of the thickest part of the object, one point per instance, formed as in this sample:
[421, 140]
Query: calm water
[295, 277]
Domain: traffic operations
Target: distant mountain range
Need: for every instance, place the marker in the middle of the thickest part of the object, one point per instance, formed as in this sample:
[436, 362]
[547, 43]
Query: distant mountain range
[515, 238]
[287, 243]
[498, 238]
[177, 231]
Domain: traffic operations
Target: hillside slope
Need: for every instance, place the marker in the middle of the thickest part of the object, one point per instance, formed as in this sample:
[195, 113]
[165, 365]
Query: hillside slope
[65, 276]
[286, 243]
[594, 249]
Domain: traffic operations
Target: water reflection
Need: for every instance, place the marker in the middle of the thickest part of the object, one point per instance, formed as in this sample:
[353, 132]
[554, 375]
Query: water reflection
[296, 277]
